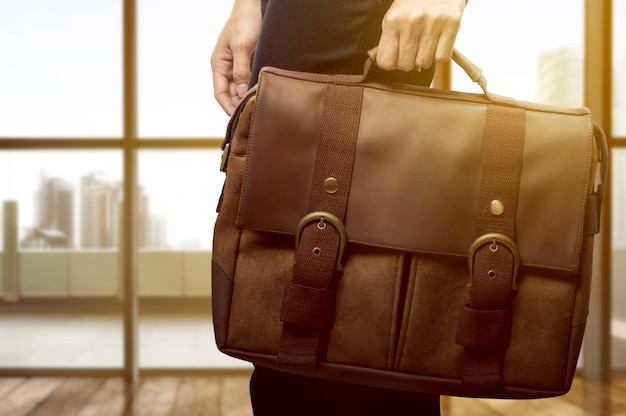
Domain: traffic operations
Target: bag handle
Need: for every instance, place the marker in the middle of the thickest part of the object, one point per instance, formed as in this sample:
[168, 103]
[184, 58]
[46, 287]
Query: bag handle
[472, 70]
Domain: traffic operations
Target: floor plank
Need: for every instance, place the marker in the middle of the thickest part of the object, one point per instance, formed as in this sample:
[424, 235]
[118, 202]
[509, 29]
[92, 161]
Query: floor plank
[198, 396]
[27, 395]
[585, 398]
[9, 383]
[69, 398]
[156, 396]
[228, 395]
[235, 396]
[461, 406]
[111, 400]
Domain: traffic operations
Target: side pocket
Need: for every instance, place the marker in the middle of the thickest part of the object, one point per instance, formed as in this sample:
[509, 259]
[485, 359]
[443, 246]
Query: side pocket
[575, 344]
[222, 291]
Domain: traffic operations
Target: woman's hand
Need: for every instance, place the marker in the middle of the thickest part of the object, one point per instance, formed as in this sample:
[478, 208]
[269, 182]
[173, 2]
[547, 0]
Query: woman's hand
[233, 53]
[417, 33]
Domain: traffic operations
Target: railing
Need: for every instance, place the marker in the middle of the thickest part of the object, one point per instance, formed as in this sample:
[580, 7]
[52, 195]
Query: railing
[94, 273]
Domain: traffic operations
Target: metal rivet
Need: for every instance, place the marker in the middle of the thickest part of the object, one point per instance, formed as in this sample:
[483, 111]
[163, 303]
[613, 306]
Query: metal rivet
[497, 207]
[331, 185]
[492, 274]
[317, 251]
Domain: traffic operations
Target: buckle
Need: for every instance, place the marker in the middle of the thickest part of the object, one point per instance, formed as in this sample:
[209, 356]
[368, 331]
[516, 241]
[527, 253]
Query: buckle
[225, 155]
[495, 240]
[323, 218]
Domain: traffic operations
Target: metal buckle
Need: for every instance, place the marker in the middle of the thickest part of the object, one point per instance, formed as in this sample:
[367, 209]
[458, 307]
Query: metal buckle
[323, 217]
[495, 239]
[225, 155]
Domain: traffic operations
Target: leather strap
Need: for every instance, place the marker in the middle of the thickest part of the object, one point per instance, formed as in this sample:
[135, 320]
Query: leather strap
[484, 324]
[596, 199]
[308, 302]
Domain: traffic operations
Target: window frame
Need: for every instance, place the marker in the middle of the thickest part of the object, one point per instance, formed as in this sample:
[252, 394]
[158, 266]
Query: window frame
[598, 88]
[130, 144]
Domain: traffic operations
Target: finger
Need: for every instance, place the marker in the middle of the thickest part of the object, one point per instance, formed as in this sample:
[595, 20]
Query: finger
[241, 71]
[408, 50]
[221, 70]
[427, 44]
[387, 54]
[445, 46]
[424, 56]
[222, 93]
[225, 101]
[234, 94]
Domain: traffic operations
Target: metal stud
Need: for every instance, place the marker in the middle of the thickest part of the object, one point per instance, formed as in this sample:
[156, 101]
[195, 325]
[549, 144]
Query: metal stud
[331, 185]
[497, 207]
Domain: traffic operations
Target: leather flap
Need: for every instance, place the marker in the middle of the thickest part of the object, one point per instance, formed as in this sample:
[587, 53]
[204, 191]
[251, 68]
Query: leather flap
[417, 170]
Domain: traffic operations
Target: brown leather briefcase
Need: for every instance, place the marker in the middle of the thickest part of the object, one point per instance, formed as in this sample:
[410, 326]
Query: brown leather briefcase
[407, 237]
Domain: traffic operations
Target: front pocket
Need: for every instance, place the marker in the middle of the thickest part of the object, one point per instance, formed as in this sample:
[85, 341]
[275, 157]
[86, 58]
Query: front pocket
[437, 290]
[365, 328]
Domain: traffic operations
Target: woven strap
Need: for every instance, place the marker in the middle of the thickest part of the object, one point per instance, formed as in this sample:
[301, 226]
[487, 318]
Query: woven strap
[308, 301]
[484, 324]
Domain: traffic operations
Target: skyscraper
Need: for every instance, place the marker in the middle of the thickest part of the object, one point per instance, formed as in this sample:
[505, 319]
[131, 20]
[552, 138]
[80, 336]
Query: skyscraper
[101, 200]
[100, 211]
[54, 227]
[560, 78]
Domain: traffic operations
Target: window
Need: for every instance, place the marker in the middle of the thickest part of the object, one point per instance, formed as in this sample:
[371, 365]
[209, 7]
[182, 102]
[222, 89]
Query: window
[62, 149]
[530, 50]
[618, 255]
[619, 69]
[60, 71]
[175, 40]
[66, 105]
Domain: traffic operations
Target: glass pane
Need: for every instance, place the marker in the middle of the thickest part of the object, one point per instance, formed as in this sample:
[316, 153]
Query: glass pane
[619, 189]
[619, 69]
[619, 258]
[60, 68]
[176, 38]
[179, 192]
[60, 285]
[543, 64]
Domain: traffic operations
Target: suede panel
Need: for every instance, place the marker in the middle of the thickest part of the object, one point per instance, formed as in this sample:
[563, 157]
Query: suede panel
[542, 321]
[581, 306]
[437, 293]
[364, 330]
[222, 292]
[227, 233]
[264, 266]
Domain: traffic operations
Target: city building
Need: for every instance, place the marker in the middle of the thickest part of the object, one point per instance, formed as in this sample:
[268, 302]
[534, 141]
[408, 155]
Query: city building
[101, 201]
[560, 77]
[53, 226]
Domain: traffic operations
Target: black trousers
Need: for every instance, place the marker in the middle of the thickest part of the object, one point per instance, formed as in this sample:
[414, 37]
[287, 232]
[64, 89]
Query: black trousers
[327, 36]
[275, 393]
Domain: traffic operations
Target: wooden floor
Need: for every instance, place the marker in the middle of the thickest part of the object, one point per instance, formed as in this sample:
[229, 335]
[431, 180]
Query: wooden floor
[228, 396]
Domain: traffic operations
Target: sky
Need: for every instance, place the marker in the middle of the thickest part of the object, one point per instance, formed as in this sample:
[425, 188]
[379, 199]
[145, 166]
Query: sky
[60, 76]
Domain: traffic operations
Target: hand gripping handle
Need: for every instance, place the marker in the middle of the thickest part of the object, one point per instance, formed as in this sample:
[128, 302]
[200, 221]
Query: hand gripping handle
[472, 71]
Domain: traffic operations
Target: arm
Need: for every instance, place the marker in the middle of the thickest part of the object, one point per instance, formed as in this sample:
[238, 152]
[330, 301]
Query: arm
[417, 33]
[233, 52]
